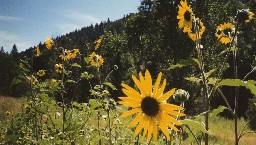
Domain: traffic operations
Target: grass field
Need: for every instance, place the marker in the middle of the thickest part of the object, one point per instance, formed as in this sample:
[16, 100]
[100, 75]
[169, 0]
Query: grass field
[221, 129]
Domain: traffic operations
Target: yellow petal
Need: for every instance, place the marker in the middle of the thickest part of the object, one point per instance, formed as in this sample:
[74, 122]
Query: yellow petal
[169, 118]
[132, 95]
[129, 99]
[161, 89]
[155, 130]
[140, 126]
[165, 96]
[129, 104]
[148, 82]
[131, 90]
[156, 86]
[141, 86]
[173, 113]
[150, 128]
[136, 119]
[131, 112]
[170, 106]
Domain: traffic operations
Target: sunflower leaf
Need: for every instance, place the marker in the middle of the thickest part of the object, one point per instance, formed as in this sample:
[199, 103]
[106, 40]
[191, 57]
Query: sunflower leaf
[217, 111]
[76, 65]
[110, 85]
[193, 79]
[198, 126]
[182, 63]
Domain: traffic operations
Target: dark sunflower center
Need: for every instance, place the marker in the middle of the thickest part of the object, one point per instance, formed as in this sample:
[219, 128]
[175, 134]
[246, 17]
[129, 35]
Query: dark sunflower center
[218, 32]
[227, 31]
[150, 106]
[187, 16]
[95, 58]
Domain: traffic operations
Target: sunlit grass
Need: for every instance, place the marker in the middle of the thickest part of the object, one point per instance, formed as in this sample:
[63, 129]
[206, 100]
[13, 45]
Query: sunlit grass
[9, 104]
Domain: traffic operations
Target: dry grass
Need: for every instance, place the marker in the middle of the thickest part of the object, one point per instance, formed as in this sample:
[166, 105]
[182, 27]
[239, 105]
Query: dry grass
[222, 132]
[9, 104]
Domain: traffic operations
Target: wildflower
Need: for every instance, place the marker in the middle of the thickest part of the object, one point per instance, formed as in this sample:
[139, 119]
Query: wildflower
[32, 79]
[41, 73]
[66, 55]
[185, 15]
[97, 45]
[74, 53]
[49, 43]
[224, 32]
[196, 31]
[37, 51]
[151, 106]
[96, 60]
[53, 81]
[58, 68]
[8, 113]
[244, 16]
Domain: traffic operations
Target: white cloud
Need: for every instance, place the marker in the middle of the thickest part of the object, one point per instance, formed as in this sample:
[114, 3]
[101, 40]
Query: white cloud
[7, 40]
[9, 18]
[81, 17]
[74, 20]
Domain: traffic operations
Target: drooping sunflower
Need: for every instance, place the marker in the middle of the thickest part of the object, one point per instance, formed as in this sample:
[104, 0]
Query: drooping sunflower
[185, 15]
[225, 32]
[37, 51]
[59, 68]
[244, 16]
[97, 45]
[151, 107]
[96, 60]
[41, 73]
[196, 31]
[49, 43]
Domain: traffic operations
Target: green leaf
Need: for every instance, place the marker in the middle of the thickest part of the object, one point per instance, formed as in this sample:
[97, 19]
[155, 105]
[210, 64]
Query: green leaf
[252, 82]
[76, 65]
[110, 85]
[94, 104]
[182, 63]
[195, 125]
[208, 74]
[251, 87]
[231, 82]
[86, 75]
[70, 81]
[193, 79]
[217, 111]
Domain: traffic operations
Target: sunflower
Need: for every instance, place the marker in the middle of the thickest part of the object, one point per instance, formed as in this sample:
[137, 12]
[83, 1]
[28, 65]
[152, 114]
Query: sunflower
[224, 32]
[96, 60]
[151, 106]
[97, 45]
[244, 16]
[37, 51]
[185, 15]
[74, 53]
[192, 32]
[59, 68]
[49, 43]
[65, 55]
[41, 73]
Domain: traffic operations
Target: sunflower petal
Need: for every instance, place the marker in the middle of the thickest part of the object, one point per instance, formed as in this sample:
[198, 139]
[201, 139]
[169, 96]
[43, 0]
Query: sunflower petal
[161, 89]
[142, 88]
[130, 112]
[136, 119]
[170, 107]
[129, 104]
[150, 128]
[165, 96]
[155, 130]
[156, 86]
[148, 82]
[140, 126]
[132, 91]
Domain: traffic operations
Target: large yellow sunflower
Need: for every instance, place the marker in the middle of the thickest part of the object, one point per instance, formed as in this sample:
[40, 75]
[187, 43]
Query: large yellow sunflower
[192, 32]
[96, 60]
[185, 15]
[225, 32]
[151, 107]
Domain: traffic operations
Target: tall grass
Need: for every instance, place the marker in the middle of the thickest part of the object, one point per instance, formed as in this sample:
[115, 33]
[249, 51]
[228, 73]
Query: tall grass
[13, 105]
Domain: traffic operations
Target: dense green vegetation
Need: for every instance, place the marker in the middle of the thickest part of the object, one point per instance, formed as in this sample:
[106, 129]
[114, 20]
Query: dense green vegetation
[211, 72]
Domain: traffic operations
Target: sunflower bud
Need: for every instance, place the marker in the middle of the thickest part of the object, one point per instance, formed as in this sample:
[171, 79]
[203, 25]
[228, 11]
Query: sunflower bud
[181, 95]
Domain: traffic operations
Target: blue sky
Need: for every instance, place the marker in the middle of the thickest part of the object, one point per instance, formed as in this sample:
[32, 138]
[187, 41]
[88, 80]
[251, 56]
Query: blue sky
[28, 22]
